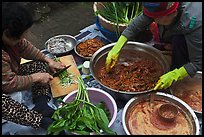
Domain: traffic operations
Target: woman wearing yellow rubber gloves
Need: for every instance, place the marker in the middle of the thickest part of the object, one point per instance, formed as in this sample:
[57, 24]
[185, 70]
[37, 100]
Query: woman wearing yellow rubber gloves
[179, 23]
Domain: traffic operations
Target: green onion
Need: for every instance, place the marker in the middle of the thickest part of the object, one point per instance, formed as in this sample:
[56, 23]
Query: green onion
[120, 12]
[81, 116]
[66, 78]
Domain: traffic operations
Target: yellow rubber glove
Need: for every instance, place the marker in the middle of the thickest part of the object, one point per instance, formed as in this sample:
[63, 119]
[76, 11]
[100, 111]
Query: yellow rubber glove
[167, 79]
[114, 52]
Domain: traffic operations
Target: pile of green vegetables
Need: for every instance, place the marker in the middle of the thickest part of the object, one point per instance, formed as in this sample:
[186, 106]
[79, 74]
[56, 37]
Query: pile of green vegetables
[120, 12]
[81, 116]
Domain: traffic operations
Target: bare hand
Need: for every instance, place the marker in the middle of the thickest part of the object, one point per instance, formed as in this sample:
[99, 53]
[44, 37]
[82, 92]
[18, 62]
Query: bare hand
[54, 66]
[43, 78]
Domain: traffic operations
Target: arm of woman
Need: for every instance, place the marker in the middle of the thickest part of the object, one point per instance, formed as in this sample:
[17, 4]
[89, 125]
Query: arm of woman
[28, 51]
[140, 23]
[12, 82]
[53, 65]
[194, 45]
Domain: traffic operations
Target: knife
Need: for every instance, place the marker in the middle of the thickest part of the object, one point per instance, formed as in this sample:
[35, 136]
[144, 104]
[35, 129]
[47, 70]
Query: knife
[60, 71]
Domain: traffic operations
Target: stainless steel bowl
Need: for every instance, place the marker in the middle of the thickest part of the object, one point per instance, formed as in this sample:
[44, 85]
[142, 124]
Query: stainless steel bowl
[75, 50]
[68, 38]
[132, 50]
[190, 115]
[86, 57]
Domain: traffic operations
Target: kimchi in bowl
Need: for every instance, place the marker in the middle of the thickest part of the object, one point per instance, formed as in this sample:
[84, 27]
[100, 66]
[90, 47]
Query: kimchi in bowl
[88, 47]
[190, 91]
[137, 70]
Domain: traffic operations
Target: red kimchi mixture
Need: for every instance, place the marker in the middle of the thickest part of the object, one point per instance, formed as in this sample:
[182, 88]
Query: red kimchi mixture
[190, 91]
[89, 47]
[131, 76]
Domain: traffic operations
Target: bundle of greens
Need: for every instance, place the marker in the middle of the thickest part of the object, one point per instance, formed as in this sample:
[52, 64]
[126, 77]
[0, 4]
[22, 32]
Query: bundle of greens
[120, 12]
[80, 116]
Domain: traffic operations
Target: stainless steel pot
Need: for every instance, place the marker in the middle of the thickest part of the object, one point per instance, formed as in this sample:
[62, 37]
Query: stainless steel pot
[133, 51]
[190, 115]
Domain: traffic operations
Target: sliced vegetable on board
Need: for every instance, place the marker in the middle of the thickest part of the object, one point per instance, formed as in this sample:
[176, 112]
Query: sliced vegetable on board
[66, 78]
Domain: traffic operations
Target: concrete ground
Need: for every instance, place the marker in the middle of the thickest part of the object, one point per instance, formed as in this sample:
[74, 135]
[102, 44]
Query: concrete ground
[54, 18]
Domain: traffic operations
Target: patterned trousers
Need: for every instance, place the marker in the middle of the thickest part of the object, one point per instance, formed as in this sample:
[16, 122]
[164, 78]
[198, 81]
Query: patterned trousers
[14, 111]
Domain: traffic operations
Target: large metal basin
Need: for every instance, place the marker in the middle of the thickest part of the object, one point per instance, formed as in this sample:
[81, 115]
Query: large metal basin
[133, 51]
[196, 80]
[185, 108]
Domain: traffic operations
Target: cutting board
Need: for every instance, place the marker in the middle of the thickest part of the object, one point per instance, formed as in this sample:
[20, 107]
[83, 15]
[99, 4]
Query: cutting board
[58, 90]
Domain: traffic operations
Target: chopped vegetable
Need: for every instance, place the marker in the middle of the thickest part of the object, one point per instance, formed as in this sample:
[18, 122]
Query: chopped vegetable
[131, 76]
[80, 116]
[66, 78]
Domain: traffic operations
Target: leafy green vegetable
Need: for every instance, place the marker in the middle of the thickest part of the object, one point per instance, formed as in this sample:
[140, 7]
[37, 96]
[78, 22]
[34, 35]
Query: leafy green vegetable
[81, 116]
[120, 12]
[102, 106]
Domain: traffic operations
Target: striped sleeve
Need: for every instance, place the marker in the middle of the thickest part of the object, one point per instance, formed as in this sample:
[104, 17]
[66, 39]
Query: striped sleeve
[11, 81]
[30, 52]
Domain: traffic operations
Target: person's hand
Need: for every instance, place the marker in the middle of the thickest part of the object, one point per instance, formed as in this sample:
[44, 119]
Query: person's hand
[111, 60]
[167, 79]
[53, 65]
[43, 78]
[112, 57]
